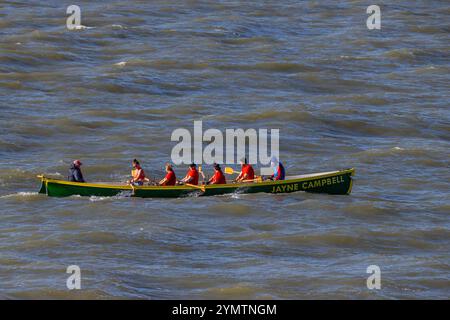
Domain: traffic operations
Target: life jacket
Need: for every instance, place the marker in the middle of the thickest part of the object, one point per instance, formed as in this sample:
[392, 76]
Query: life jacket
[193, 173]
[171, 179]
[75, 174]
[138, 174]
[218, 178]
[279, 172]
[248, 169]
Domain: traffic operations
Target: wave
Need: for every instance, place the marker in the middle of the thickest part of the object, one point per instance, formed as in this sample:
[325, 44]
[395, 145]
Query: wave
[325, 239]
[431, 69]
[12, 85]
[372, 240]
[69, 125]
[436, 233]
[30, 76]
[428, 29]
[237, 291]
[134, 87]
[118, 26]
[280, 67]
[445, 208]
[388, 152]
[15, 146]
[362, 99]
[91, 237]
[163, 64]
[371, 128]
[137, 115]
[7, 174]
[424, 55]
[366, 209]
[122, 195]
[274, 115]
[233, 209]
[57, 294]
[401, 54]
[21, 195]
[248, 40]
[34, 58]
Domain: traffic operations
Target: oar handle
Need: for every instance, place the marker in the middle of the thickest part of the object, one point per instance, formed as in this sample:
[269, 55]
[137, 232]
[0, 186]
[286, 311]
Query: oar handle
[257, 179]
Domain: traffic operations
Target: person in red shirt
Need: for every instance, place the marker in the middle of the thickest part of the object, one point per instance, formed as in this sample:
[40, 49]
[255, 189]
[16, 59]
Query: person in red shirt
[137, 174]
[191, 176]
[170, 179]
[218, 177]
[247, 172]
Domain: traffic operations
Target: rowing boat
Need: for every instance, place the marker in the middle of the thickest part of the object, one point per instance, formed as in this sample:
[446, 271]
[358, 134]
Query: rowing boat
[333, 182]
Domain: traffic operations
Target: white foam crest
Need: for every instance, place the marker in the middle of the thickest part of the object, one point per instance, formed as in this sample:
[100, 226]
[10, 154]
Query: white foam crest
[122, 195]
[96, 198]
[20, 194]
[117, 26]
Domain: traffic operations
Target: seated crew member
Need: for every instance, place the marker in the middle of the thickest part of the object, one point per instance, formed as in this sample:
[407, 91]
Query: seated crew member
[137, 174]
[170, 179]
[191, 176]
[247, 172]
[278, 170]
[218, 177]
[75, 174]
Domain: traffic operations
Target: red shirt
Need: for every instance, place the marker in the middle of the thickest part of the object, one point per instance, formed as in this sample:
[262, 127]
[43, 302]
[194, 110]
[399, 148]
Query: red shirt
[193, 173]
[171, 179]
[218, 178]
[248, 169]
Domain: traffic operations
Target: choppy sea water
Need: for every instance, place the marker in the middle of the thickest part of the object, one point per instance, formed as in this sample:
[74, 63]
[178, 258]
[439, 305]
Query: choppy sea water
[342, 95]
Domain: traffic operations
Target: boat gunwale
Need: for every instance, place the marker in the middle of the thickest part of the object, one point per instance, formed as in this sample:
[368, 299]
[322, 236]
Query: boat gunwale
[350, 171]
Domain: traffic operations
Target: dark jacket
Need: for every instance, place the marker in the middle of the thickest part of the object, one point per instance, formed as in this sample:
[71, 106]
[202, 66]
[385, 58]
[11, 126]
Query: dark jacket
[75, 174]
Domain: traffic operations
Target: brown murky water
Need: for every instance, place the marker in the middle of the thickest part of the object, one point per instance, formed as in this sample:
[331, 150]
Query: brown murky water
[342, 96]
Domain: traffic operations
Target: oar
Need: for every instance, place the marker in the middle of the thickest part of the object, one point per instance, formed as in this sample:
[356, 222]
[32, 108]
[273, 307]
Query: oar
[229, 170]
[203, 175]
[152, 182]
[132, 188]
[257, 179]
[196, 187]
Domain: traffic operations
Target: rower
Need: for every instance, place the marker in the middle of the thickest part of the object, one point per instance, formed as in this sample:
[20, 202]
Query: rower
[170, 179]
[218, 177]
[278, 170]
[247, 173]
[137, 175]
[191, 176]
[75, 174]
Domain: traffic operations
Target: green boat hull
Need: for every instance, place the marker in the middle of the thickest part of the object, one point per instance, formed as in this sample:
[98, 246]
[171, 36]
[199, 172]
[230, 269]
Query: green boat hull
[336, 182]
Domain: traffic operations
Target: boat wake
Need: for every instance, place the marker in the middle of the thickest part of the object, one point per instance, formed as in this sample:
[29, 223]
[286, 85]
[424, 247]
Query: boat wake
[121, 195]
[20, 195]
